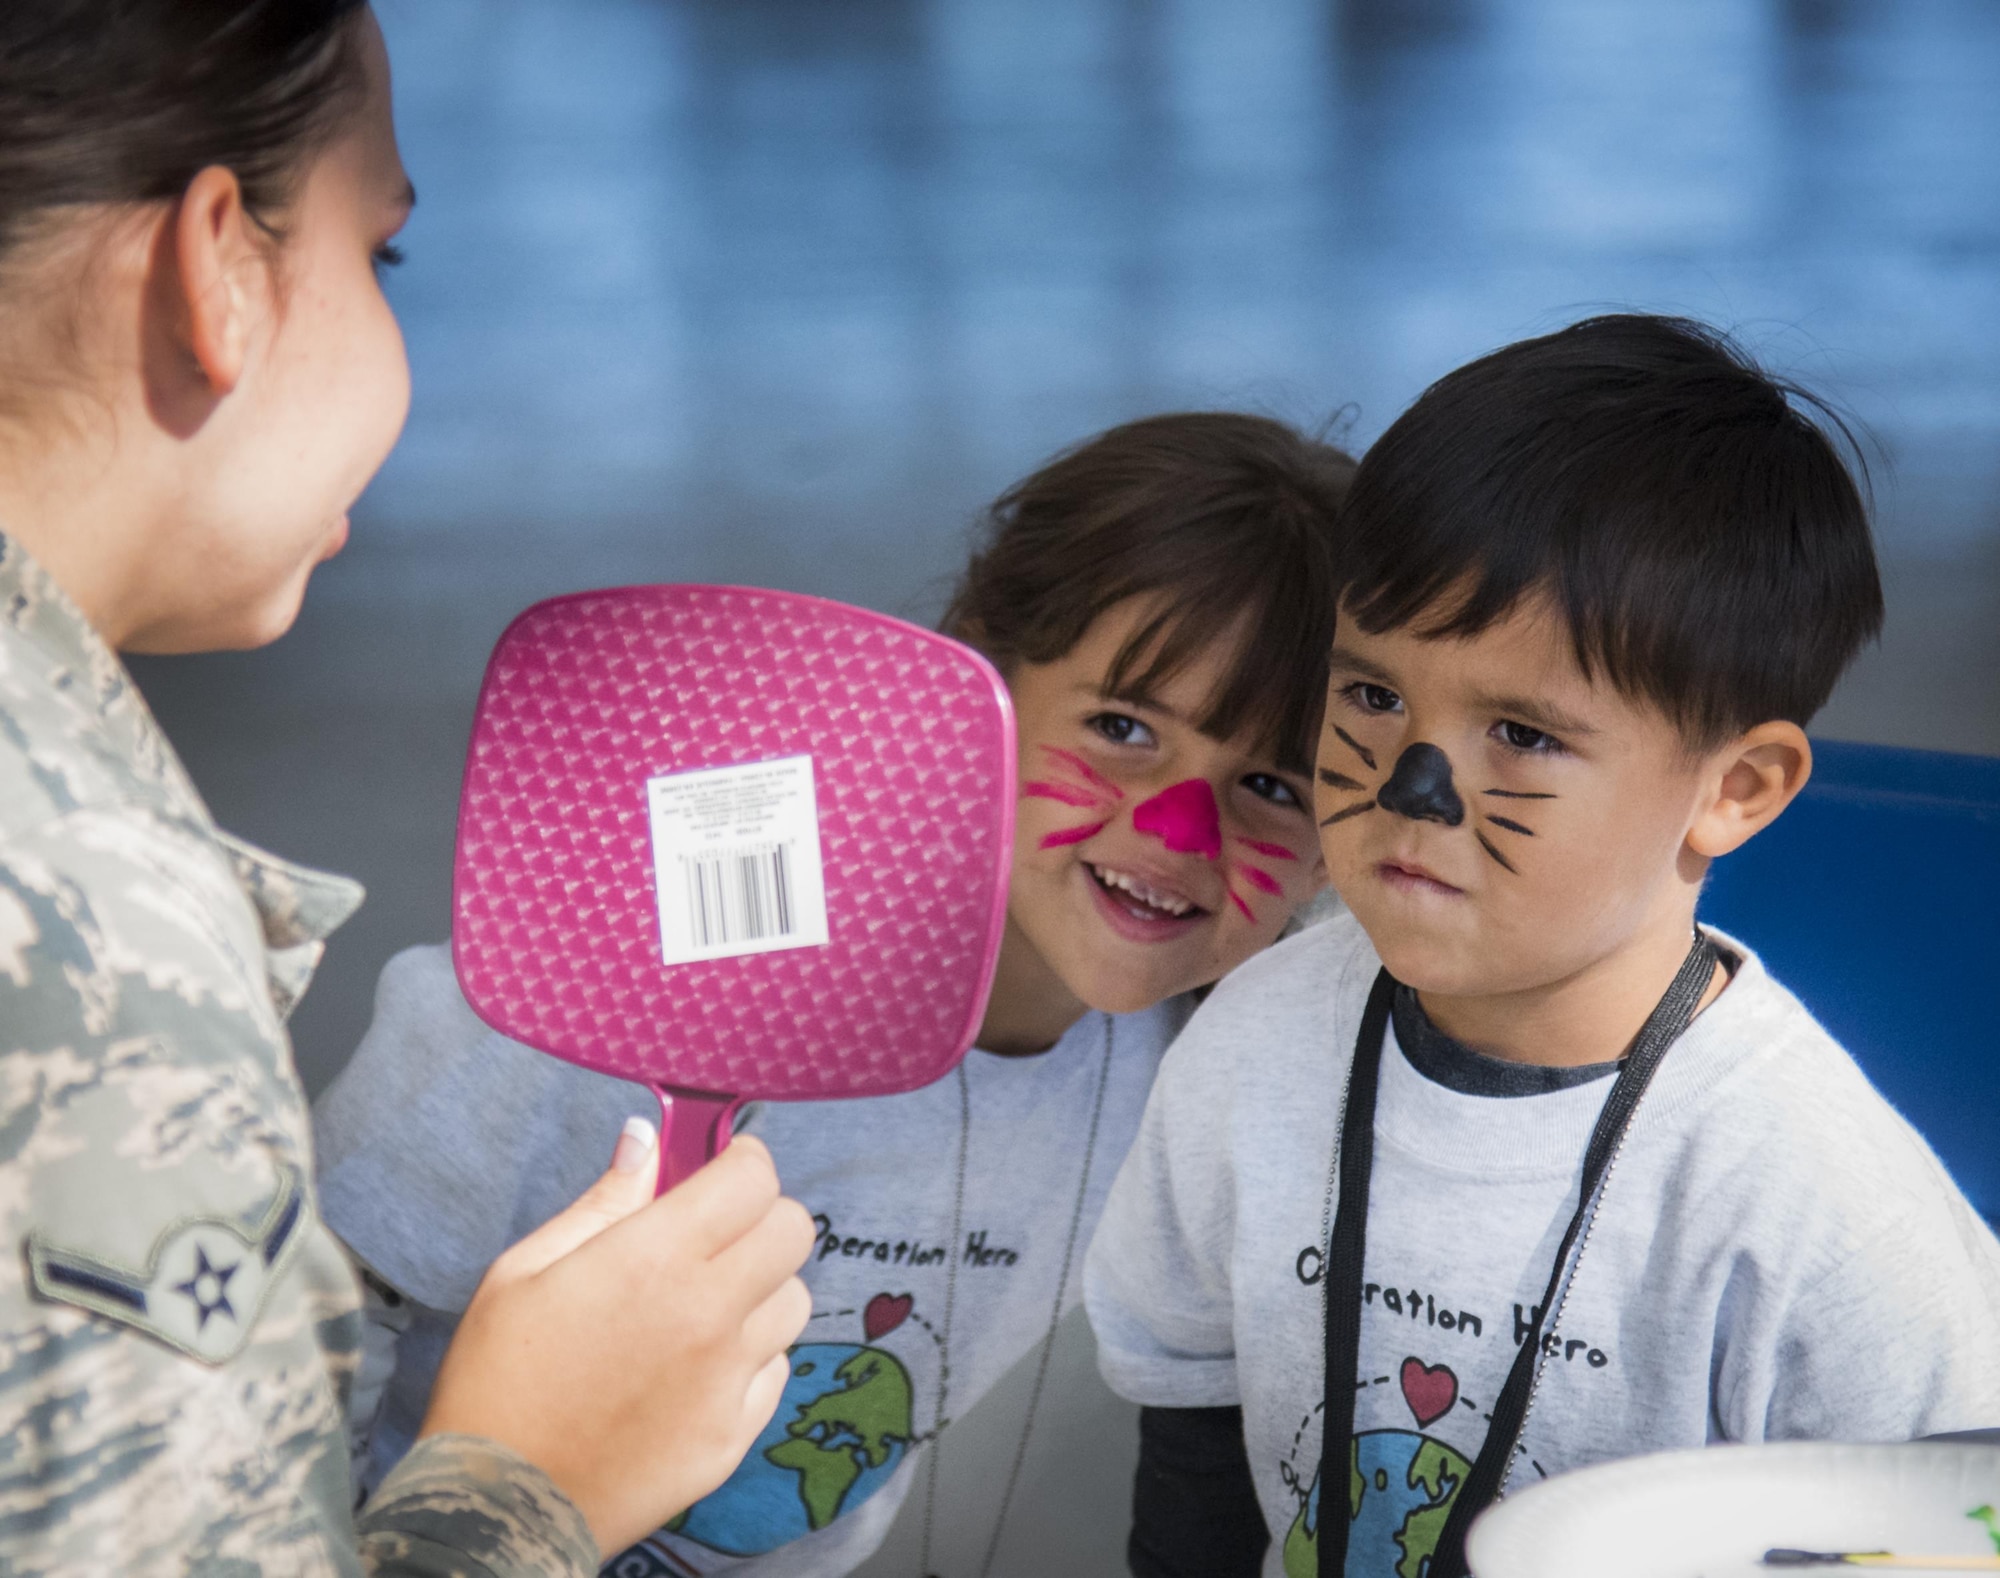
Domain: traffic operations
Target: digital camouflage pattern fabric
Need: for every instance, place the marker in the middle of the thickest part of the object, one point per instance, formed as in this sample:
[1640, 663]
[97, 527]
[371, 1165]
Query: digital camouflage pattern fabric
[177, 1327]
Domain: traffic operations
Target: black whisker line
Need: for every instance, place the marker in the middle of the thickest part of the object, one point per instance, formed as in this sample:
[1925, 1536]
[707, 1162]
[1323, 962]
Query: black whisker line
[1505, 863]
[1512, 827]
[1355, 745]
[1515, 794]
[1353, 810]
[1334, 780]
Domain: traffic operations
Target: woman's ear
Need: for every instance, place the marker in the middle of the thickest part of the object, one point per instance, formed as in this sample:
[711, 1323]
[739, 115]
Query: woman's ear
[222, 270]
[1750, 781]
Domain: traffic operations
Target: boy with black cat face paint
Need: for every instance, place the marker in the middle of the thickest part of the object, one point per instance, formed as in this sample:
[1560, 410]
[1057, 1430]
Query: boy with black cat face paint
[1515, 1169]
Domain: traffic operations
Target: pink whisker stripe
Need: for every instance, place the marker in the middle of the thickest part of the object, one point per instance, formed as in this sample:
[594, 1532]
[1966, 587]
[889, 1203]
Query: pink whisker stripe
[1248, 913]
[1084, 770]
[1268, 851]
[1068, 794]
[1073, 835]
[1262, 880]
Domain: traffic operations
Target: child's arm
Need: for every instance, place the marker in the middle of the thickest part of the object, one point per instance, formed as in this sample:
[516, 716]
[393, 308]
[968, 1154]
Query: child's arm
[1158, 1287]
[1157, 1277]
[1194, 1505]
[1901, 1339]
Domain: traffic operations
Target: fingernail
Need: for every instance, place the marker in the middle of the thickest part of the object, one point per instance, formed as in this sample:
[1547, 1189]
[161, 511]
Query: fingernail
[635, 1146]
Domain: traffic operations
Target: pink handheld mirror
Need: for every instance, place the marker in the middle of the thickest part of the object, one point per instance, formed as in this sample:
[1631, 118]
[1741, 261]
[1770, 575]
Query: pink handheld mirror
[735, 845]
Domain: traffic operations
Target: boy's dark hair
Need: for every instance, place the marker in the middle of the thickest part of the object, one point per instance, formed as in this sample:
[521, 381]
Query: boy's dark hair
[1693, 526]
[1228, 522]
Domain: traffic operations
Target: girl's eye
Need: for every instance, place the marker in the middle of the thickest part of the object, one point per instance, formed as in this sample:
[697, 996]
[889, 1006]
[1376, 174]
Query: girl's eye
[387, 256]
[1119, 728]
[1373, 698]
[1533, 742]
[1268, 786]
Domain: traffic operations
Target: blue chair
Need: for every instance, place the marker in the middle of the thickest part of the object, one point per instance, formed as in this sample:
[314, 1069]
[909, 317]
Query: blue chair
[1876, 898]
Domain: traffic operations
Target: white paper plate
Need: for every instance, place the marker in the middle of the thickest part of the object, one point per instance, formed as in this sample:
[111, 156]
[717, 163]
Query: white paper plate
[1713, 1513]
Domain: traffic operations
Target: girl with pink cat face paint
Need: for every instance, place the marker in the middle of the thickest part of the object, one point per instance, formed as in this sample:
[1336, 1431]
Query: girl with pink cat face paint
[1189, 854]
[1158, 601]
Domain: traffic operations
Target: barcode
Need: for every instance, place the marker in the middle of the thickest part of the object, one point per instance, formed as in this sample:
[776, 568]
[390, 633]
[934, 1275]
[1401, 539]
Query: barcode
[739, 895]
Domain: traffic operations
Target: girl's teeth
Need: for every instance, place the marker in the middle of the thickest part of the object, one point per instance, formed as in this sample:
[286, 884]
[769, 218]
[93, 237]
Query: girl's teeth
[1145, 895]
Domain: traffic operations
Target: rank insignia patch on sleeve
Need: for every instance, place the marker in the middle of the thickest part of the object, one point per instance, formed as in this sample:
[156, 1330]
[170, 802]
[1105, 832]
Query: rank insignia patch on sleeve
[203, 1286]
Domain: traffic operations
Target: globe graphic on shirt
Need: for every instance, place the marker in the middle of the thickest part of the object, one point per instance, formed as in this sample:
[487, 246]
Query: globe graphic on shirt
[838, 1435]
[1400, 1488]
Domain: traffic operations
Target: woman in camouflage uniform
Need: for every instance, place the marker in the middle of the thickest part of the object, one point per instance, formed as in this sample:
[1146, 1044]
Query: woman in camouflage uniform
[198, 374]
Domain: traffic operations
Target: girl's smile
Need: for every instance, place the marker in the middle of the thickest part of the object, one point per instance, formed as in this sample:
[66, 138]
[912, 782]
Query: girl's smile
[1142, 898]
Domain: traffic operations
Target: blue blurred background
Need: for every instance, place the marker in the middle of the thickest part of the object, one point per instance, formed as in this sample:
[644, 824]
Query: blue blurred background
[782, 290]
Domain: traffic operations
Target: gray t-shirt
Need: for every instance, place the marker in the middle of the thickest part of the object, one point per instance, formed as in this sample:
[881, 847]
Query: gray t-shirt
[945, 1216]
[1777, 1254]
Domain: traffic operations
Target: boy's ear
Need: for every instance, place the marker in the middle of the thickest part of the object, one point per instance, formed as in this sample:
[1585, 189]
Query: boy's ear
[1751, 781]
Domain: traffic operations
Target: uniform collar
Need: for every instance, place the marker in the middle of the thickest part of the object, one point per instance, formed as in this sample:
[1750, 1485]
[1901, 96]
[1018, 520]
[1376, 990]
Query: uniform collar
[84, 672]
[298, 906]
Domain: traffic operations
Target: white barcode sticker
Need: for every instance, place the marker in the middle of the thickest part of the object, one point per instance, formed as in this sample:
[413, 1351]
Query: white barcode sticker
[736, 860]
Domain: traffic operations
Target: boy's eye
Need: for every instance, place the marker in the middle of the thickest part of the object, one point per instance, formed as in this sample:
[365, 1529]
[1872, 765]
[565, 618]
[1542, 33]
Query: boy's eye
[1119, 728]
[387, 256]
[1519, 737]
[1373, 698]
[1268, 786]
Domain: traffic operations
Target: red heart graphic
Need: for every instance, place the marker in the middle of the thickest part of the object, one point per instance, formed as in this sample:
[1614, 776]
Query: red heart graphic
[884, 1314]
[1429, 1392]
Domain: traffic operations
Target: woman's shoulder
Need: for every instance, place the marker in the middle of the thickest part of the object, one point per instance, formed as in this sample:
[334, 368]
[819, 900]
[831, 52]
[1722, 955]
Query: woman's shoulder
[136, 997]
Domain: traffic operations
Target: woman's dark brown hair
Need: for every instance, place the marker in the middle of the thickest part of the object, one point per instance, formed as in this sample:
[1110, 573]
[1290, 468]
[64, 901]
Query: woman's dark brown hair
[126, 101]
[1225, 523]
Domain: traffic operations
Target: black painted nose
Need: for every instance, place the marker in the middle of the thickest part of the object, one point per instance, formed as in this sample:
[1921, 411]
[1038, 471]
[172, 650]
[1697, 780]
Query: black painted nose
[1420, 787]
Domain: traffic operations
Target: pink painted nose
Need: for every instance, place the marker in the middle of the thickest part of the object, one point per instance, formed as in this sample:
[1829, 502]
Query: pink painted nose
[1184, 818]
